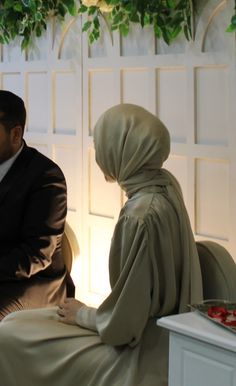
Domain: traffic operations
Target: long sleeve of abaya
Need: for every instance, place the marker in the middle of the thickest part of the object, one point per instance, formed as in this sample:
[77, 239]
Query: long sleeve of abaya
[122, 317]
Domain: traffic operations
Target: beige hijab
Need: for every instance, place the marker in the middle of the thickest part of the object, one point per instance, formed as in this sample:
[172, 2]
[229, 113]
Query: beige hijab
[131, 145]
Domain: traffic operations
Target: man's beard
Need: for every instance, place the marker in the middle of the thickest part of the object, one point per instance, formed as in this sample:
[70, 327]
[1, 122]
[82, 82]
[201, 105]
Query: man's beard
[7, 154]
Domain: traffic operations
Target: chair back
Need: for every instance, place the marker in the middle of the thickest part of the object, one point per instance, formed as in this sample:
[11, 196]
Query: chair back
[69, 246]
[218, 271]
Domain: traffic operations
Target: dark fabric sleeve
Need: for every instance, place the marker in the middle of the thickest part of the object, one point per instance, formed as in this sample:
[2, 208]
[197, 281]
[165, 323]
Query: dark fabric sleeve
[41, 229]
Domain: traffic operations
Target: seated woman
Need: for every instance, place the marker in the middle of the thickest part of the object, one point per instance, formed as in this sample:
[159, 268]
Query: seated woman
[154, 271]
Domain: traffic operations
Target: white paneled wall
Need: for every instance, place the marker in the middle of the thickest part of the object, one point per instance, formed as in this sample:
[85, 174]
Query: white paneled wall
[190, 85]
[212, 104]
[64, 114]
[37, 101]
[171, 88]
[212, 198]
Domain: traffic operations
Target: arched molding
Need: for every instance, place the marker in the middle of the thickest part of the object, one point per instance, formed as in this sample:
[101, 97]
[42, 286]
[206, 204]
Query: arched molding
[210, 11]
[64, 36]
[104, 46]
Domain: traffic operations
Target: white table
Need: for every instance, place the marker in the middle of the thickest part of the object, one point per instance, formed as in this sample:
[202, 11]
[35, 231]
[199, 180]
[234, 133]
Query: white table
[200, 352]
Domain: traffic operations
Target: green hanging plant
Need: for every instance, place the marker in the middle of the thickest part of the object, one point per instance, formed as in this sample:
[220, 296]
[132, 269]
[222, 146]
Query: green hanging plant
[169, 18]
[28, 18]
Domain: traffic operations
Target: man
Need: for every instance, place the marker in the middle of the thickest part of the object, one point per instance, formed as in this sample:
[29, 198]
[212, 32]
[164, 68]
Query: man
[33, 207]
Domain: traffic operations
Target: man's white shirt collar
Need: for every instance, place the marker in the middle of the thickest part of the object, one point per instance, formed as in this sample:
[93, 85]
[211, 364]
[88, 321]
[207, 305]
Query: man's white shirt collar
[5, 166]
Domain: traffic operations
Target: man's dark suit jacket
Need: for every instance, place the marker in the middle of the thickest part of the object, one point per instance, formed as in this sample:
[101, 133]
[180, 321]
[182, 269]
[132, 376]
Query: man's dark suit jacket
[33, 206]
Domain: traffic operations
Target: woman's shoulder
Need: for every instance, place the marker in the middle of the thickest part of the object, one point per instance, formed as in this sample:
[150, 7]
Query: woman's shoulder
[143, 205]
[138, 206]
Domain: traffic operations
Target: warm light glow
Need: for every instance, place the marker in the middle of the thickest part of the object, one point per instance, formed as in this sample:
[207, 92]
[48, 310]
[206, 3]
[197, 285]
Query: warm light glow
[90, 271]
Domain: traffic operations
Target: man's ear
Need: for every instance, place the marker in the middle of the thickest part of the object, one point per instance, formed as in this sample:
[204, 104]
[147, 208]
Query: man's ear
[16, 135]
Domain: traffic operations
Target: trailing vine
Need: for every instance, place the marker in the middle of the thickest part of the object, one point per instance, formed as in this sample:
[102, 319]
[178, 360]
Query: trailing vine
[28, 18]
[169, 18]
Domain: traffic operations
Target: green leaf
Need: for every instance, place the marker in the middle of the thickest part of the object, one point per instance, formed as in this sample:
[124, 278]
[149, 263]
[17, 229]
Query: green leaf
[135, 18]
[157, 31]
[92, 10]
[170, 3]
[38, 31]
[38, 16]
[91, 39]
[233, 20]
[86, 25]
[176, 31]
[25, 43]
[124, 29]
[113, 2]
[160, 21]
[72, 8]
[9, 4]
[231, 28]
[96, 23]
[32, 5]
[114, 27]
[82, 9]
[18, 7]
[96, 34]
[118, 17]
[129, 7]
[166, 37]
[61, 10]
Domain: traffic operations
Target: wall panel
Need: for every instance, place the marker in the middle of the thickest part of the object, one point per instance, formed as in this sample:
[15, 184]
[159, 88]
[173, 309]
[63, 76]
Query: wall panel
[13, 82]
[68, 159]
[101, 93]
[171, 100]
[212, 198]
[98, 277]
[12, 52]
[65, 94]
[40, 147]
[134, 86]
[141, 42]
[103, 196]
[37, 101]
[212, 101]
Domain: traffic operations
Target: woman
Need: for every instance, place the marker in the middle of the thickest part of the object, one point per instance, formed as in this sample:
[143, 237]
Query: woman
[154, 271]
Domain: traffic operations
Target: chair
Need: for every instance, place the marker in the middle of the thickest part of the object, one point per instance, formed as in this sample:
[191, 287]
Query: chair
[70, 247]
[218, 271]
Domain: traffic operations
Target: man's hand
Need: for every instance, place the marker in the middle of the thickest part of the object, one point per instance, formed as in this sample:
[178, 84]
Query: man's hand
[68, 309]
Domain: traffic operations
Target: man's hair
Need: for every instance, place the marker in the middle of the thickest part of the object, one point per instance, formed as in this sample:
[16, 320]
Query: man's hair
[12, 110]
